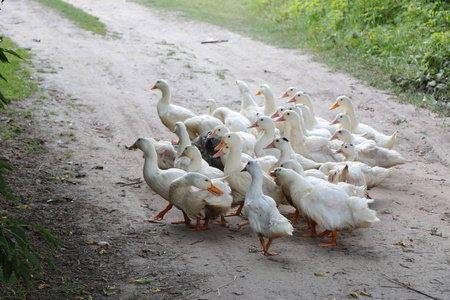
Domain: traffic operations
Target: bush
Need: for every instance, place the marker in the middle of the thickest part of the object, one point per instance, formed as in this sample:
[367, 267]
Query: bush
[408, 40]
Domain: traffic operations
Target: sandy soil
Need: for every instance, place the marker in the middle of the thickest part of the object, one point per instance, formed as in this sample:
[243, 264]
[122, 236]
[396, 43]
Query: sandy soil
[99, 88]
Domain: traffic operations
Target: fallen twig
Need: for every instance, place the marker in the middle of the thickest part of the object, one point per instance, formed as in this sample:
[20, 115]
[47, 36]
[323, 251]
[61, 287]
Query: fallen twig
[396, 281]
[213, 41]
[218, 289]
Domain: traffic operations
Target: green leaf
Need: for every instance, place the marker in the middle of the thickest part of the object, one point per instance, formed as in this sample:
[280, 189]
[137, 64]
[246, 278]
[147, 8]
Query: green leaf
[142, 281]
[2, 77]
[3, 57]
[12, 53]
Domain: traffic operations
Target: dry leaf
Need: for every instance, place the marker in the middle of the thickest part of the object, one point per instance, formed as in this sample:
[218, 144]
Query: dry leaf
[364, 293]
[400, 243]
[44, 285]
[101, 252]
[142, 281]
[156, 291]
[353, 294]
[321, 274]
[92, 243]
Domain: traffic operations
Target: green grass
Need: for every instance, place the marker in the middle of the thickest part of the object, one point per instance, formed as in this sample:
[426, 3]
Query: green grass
[19, 85]
[81, 18]
[399, 45]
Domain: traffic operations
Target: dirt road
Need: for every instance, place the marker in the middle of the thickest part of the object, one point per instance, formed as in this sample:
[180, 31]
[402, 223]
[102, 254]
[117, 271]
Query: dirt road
[108, 80]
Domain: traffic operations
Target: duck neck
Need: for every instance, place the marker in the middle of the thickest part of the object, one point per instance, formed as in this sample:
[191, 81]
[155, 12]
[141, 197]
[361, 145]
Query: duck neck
[265, 139]
[247, 101]
[184, 141]
[195, 165]
[301, 184]
[349, 111]
[234, 160]
[285, 154]
[255, 188]
[269, 106]
[350, 156]
[150, 163]
[165, 97]
[296, 131]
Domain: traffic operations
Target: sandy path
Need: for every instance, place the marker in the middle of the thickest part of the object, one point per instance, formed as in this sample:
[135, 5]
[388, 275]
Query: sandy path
[112, 77]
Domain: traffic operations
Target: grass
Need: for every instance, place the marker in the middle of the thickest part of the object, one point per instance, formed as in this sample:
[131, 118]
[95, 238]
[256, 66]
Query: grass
[398, 45]
[81, 18]
[20, 84]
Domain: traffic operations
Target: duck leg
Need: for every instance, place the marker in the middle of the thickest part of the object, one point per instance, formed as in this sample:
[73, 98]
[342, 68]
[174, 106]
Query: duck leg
[265, 247]
[243, 223]
[197, 226]
[307, 226]
[161, 214]
[333, 240]
[295, 217]
[325, 233]
[237, 212]
[222, 221]
[205, 224]
[185, 221]
[313, 233]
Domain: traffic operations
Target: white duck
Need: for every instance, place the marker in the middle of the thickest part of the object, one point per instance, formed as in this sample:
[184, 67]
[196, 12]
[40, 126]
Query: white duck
[312, 147]
[316, 122]
[283, 127]
[372, 155]
[299, 108]
[261, 211]
[343, 121]
[234, 121]
[248, 139]
[167, 112]
[197, 164]
[158, 180]
[239, 182]
[165, 153]
[360, 128]
[267, 129]
[357, 173]
[249, 108]
[269, 106]
[287, 153]
[328, 205]
[199, 124]
[200, 197]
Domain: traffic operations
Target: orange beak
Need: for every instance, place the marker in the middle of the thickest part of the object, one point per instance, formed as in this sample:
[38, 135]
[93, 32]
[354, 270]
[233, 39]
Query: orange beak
[218, 153]
[253, 125]
[339, 151]
[275, 115]
[334, 106]
[258, 93]
[280, 119]
[271, 145]
[284, 95]
[334, 137]
[244, 169]
[182, 155]
[132, 147]
[221, 145]
[214, 190]
[291, 100]
[335, 120]
[154, 87]
[211, 135]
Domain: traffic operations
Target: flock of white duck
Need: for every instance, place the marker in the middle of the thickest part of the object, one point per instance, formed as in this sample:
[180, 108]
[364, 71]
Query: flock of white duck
[263, 157]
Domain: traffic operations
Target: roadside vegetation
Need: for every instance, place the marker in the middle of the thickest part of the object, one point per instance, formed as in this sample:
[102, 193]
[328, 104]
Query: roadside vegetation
[20, 258]
[400, 45]
[81, 18]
